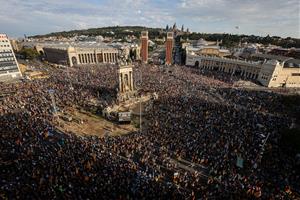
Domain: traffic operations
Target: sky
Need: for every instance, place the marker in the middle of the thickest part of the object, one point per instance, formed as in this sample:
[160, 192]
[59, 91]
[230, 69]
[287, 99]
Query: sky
[258, 17]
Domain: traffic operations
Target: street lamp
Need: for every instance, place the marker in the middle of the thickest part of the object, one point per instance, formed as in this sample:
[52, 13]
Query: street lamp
[138, 86]
[51, 93]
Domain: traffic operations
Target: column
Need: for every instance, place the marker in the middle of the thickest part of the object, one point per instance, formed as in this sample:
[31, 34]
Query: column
[131, 81]
[122, 78]
[79, 58]
[85, 58]
[120, 82]
[124, 83]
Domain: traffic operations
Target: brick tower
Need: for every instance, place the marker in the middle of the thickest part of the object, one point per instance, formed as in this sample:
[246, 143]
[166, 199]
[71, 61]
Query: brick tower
[169, 48]
[144, 46]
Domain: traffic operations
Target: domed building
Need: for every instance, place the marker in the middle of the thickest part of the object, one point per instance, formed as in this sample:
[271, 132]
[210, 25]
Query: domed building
[201, 42]
[203, 47]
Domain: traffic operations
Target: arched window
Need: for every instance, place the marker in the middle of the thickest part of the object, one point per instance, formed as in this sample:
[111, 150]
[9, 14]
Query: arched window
[74, 60]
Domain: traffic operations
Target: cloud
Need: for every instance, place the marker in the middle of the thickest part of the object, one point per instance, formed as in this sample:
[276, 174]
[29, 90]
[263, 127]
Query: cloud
[274, 17]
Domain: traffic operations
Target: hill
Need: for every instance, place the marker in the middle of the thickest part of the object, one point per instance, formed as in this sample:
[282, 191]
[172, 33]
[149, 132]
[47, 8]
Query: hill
[111, 31]
[229, 40]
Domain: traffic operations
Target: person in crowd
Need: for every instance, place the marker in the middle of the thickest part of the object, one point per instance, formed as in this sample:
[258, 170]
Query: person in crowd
[199, 119]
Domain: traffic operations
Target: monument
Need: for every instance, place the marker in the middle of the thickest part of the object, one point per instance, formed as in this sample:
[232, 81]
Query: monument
[126, 89]
[127, 94]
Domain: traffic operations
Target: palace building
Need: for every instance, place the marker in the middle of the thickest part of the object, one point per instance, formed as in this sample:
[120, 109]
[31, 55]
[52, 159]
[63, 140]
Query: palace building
[233, 66]
[203, 47]
[78, 53]
[278, 71]
[83, 53]
[269, 70]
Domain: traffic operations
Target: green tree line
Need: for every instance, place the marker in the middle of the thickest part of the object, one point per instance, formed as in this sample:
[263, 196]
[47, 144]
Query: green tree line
[228, 40]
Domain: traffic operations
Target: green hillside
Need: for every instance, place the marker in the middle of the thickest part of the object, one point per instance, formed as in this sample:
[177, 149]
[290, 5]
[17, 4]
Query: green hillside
[113, 31]
[229, 40]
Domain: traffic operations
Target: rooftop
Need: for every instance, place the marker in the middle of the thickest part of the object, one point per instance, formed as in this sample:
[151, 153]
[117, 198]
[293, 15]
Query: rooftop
[65, 45]
[270, 57]
[292, 63]
[288, 61]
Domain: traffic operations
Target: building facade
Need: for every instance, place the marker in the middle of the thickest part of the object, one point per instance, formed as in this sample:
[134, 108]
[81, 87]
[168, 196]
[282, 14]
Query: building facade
[280, 74]
[79, 53]
[144, 46]
[15, 45]
[9, 68]
[241, 68]
[126, 82]
[169, 48]
[203, 47]
[270, 72]
[79, 56]
[82, 53]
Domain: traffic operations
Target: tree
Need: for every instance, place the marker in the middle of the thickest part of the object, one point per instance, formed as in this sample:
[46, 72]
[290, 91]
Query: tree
[29, 53]
[229, 40]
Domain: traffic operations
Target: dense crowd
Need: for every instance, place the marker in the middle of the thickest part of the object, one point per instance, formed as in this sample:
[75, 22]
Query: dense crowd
[201, 139]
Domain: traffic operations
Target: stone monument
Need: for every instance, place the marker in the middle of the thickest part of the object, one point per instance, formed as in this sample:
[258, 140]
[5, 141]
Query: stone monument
[126, 88]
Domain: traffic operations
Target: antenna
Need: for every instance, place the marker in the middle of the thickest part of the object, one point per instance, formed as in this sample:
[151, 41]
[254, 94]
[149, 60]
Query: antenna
[140, 99]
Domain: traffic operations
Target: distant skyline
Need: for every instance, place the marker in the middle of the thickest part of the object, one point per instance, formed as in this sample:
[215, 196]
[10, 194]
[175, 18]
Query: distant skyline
[257, 17]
